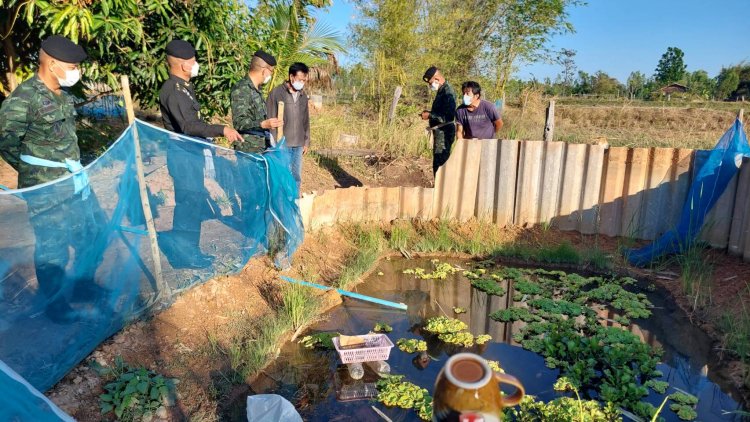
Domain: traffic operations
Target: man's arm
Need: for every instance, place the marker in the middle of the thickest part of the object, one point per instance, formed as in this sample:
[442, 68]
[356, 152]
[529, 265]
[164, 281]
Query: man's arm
[498, 125]
[13, 124]
[181, 108]
[495, 118]
[459, 131]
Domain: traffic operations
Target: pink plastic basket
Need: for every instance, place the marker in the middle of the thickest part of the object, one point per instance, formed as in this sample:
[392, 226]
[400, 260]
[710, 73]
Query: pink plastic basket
[377, 347]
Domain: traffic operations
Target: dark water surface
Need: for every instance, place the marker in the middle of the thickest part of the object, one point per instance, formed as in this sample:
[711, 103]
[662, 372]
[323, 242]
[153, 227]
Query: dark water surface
[320, 388]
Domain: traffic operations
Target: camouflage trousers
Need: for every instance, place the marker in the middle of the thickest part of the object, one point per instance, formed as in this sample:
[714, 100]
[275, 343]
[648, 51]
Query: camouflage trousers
[59, 226]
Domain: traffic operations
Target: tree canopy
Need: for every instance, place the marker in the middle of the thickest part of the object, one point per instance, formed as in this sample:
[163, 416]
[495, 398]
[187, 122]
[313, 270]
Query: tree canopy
[671, 67]
[129, 37]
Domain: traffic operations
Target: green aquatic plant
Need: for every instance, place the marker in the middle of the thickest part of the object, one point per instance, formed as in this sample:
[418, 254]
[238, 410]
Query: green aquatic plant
[394, 392]
[482, 338]
[318, 341]
[563, 325]
[457, 310]
[411, 345]
[441, 271]
[382, 327]
[656, 385]
[442, 325]
[495, 366]
[489, 286]
[463, 338]
[684, 405]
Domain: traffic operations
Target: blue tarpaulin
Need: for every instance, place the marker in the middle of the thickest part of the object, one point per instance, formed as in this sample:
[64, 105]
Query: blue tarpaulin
[713, 175]
[76, 263]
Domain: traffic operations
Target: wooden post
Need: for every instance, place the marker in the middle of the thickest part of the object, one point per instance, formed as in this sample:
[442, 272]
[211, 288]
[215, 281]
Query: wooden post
[741, 114]
[394, 103]
[280, 115]
[163, 287]
[549, 124]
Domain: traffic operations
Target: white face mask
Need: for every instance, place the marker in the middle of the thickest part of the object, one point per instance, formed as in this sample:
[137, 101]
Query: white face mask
[194, 70]
[435, 85]
[71, 77]
[267, 79]
[297, 85]
[468, 99]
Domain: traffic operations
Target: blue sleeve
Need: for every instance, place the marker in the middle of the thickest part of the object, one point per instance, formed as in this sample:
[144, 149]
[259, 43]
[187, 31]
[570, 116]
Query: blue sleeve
[492, 112]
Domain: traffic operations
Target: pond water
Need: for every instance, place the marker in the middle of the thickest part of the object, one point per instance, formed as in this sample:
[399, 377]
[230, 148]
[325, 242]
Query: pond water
[320, 388]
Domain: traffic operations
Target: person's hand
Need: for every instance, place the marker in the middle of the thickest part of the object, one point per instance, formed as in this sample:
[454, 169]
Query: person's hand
[304, 149]
[271, 123]
[425, 115]
[232, 135]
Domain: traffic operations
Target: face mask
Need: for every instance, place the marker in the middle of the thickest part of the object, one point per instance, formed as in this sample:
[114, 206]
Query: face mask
[194, 70]
[267, 79]
[297, 85]
[71, 77]
[435, 85]
[468, 99]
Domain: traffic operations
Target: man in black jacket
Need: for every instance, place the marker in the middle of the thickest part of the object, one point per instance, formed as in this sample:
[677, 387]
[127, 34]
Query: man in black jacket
[441, 117]
[181, 113]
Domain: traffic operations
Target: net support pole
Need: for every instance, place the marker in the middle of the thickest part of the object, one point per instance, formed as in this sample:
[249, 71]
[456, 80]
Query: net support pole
[741, 114]
[161, 285]
[280, 116]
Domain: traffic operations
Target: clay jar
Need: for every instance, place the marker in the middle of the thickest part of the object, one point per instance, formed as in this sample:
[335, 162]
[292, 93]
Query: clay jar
[467, 390]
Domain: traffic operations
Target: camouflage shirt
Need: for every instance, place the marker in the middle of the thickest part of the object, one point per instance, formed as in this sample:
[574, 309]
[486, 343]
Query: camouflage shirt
[248, 110]
[35, 121]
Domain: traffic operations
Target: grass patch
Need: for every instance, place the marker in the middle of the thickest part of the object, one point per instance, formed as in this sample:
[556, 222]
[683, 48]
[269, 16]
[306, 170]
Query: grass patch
[369, 243]
[254, 341]
[564, 253]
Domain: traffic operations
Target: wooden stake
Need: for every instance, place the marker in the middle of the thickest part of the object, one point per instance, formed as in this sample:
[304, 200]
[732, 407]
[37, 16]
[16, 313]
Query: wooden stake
[549, 124]
[741, 114]
[280, 116]
[161, 285]
[394, 103]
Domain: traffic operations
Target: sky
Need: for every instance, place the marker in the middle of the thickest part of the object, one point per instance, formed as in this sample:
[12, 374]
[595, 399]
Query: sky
[621, 36]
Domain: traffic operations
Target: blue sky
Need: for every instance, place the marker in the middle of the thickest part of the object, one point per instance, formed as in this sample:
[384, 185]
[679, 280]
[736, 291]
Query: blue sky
[620, 36]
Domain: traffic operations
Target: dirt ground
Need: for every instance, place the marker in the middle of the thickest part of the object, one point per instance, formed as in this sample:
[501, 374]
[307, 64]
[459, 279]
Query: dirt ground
[175, 342]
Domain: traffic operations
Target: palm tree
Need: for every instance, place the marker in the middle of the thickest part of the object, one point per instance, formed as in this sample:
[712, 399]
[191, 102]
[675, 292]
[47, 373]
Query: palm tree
[297, 37]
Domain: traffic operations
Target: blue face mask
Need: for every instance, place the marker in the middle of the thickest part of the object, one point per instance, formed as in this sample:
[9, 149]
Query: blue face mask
[468, 99]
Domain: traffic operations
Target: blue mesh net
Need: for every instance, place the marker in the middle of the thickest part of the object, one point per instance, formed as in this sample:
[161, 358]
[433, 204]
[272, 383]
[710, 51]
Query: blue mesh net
[76, 262]
[716, 168]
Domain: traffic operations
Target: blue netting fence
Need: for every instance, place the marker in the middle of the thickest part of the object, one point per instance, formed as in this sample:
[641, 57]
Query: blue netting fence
[714, 170]
[76, 262]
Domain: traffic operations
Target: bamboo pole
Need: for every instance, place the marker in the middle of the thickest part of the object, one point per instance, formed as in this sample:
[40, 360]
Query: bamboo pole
[280, 116]
[161, 285]
[741, 114]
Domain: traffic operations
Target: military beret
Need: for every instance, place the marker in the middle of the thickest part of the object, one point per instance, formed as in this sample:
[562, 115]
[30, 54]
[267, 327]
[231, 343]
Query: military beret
[180, 49]
[63, 49]
[429, 73]
[269, 59]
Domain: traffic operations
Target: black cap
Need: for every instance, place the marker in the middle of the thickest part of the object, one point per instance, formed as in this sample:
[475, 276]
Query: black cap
[63, 49]
[269, 59]
[180, 49]
[429, 73]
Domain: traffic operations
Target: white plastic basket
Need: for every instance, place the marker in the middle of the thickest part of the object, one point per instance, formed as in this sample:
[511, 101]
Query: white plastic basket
[377, 347]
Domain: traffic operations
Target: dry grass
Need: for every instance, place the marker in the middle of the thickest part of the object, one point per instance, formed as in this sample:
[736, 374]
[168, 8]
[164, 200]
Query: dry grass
[405, 137]
[624, 123]
[619, 123]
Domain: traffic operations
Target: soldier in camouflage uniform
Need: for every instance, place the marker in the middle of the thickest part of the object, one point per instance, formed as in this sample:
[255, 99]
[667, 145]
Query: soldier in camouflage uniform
[249, 114]
[38, 139]
[441, 117]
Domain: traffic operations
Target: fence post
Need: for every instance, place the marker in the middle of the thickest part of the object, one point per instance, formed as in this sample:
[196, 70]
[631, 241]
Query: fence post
[161, 285]
[741, 114]
[549, 124]
[394, 103]
[280, 115]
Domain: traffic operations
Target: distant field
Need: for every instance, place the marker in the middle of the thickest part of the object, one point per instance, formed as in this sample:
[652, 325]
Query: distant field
[625, 123]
